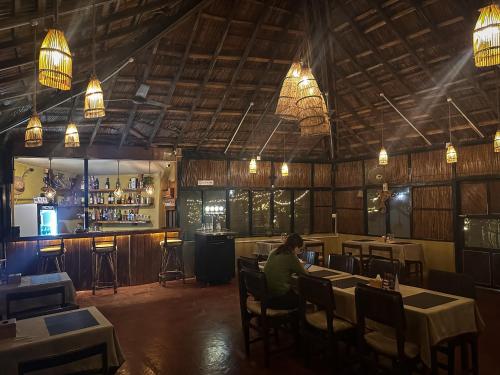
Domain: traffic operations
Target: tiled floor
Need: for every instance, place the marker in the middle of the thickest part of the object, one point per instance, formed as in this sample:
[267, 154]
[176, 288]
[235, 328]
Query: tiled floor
[189, 329]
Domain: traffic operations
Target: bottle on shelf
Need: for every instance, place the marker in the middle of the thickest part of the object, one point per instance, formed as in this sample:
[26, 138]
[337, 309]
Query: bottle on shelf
[96, 183]
[91, 198]
[107, 185]
[138, 198]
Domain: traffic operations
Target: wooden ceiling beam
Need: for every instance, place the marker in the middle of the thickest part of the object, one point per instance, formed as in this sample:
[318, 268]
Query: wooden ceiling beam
[262, 17]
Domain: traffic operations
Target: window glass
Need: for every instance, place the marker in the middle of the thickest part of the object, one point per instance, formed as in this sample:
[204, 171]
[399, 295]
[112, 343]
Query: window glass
[190, 212]
[482, 233]
[302, 201]
[400, 211]
[376, 213]
[238, 211]
[214, 208]
[282, 211]
[261, 216]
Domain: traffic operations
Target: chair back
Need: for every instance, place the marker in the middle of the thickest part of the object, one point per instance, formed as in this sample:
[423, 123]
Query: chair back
[12, 298]
[102, 240]
[350, 249]
[309, 256]
[255, 283]
[46, 243]
[376, 251]
[458, 284]
[381, 306]
[66, 358]
[344, 263]
[379, 266]
[248, 263]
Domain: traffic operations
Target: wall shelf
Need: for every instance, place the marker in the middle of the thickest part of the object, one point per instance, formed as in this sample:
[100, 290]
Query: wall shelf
[121, 221]
[132, 205]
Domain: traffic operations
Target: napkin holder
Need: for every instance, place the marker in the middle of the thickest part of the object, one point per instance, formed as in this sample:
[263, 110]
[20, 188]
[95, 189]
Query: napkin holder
[14, 278]
[375, 283]
[8, 328]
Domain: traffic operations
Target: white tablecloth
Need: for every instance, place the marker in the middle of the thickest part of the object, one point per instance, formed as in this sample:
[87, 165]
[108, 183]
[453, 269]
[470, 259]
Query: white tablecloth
[265, 247]
[37, 282]
[33, 341]
[402, 250]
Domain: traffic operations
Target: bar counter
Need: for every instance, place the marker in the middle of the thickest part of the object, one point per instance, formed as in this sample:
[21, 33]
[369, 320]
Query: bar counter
[139, 255]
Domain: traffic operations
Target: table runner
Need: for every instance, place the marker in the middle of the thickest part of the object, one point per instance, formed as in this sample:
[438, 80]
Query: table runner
[74, 321]
[33, 341]
[37, 282]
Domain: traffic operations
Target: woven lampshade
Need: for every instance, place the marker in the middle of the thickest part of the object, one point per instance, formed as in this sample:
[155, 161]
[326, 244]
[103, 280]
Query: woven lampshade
[71, 139]
[496, 141]
[451, 154]
[486, 39]
[94, 99]
[287, 102]
[284, 170]
[383, 158]
[33, 135]
[321, 129]
[252, 167]
[312, 106]
[55, 63]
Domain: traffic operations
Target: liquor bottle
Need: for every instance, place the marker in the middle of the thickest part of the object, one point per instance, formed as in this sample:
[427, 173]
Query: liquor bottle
[97, 183]
[138, 199]
[106, 185]
[119, 215]
[109, 198]
[91, 199]
[93, 215]
[82, 185]
[112, 198]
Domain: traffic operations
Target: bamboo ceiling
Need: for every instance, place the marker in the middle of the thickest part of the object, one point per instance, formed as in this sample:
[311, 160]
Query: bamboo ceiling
[206, 67]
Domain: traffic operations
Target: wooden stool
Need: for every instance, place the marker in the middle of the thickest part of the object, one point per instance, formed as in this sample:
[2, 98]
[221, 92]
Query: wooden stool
[172, 263]
[53, 252]
[104, 250]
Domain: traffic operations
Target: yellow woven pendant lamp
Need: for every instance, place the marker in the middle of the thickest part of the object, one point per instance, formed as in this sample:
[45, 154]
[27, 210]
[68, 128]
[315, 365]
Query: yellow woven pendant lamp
[72, 138]
[312, 106]
[287, 102]
[33, 136]
[252, 167]
[451, 153]
[496, 141]
[55, 63]
[321, 129]
[486, 37]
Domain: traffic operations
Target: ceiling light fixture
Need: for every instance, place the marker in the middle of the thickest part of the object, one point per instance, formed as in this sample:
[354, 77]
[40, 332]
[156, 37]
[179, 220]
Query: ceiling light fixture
[118, 191]
[451, 153]
[383, 158]
[486, 37]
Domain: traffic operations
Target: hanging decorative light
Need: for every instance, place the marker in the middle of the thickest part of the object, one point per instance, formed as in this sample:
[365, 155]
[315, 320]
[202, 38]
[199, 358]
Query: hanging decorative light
[94, 98]
[284, 166]
[383, 158]
[312, 115]
[252, 167]
[287, 102]
[150, 188]
[486, 37]
[496, 139]
[33, 137]
[451, 153]
[118, 191]
[72, 139]
[50, 192]
[55, 62]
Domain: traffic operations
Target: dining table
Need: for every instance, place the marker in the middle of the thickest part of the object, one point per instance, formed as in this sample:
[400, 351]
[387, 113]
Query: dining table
[55, 334]
[264, 247]
[34, 283]
[403, 250]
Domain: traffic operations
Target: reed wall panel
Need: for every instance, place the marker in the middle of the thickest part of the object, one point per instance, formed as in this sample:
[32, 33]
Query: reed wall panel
[323, 198]
[322, 175]
[322, 221]
[348, 199]
[432, 197]
[430, 166]
[494, 197]
[194, 170]
[349, 174]
[350, 221]
[433, 225]
[396, 172]
[299, 175]
[473, 198]
[239, 176]
[477, 160]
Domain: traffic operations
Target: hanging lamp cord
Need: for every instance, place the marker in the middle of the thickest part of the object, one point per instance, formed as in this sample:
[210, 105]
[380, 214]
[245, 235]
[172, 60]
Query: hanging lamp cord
[449, 119]
[93, 36]
[382, 128]
[34, 68]
[56, 13]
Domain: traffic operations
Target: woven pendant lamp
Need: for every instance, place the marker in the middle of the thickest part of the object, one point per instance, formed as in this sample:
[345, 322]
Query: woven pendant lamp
[312, 106]
[33, 136]
[287, 102]
[451, 153]
[383, 158]
[94, 98]
[71, 139]
[496, 141]
[486, 37]
[252, 167]
[55, 64]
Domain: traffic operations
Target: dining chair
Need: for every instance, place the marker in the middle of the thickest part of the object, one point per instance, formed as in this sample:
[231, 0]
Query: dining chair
[462, 285]
[321, 326]
[248, 263]
[357, 252]
[254, 297]
[57, 293]
[384, 307]
[380, 266]
[344, 263]
[50, 251]
[67, 358]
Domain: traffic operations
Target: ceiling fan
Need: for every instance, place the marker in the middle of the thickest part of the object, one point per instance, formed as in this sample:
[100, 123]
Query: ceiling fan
[140, 97]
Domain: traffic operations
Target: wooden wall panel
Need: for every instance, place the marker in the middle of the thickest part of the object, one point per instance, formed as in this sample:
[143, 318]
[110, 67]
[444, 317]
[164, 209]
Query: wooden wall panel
[477, 160]
[323, 198]
[473, 198]
[239, 176]
[350, 221]
[322, 219]
[349, 174]
[432, 197]
[299, 175]
[322, 175]
[396, 172]
[194, 170]
[348, 199]
[430, 166]
[433, 225]
[494, 197]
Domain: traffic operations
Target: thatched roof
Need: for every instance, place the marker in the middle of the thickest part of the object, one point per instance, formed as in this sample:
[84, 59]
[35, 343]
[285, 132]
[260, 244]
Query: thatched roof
[205, 61]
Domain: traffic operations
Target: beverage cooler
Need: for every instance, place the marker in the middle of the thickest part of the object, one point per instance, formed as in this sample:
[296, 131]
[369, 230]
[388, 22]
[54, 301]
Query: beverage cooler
[36, 219]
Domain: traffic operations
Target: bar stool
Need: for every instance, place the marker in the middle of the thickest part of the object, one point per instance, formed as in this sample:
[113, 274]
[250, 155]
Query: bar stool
[108, 251]
[172, 262]
[52, 252]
